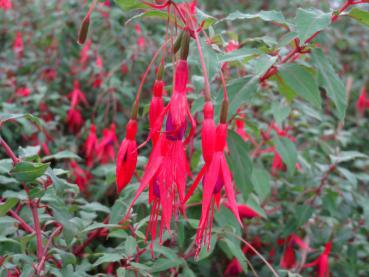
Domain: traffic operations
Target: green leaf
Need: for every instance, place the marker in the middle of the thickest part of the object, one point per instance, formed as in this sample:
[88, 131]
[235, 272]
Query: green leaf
[240, 163]
[7, 116]
[331, 82]
[239, 55]
[261, 181]
[239, 92]
[360, 15]
[62, 155]
[121, 272]
[207, 19]
[27, 171]
[287, 149]
[237, 253]
[301, 81]
[128, 5]
[261, 65]
[108, 258]
[301, 215]
[164, 264]
[310, 21]
[275, 16]
[280, 112]
[345, 156]
[29, 151]
[7, 206]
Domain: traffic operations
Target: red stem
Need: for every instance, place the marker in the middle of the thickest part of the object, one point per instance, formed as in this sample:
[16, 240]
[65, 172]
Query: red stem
[23, 224]
[9, 151]
[298, 49]
[37, 229]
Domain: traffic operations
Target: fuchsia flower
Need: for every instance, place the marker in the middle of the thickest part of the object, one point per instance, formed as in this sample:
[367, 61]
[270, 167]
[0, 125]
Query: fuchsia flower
[322, 262]
[278, 164]
[100, 75]
[127, 156]
[362, 102]
[74, 120]
[288, 260]
[23, 92]
[18, 47]
[246, 212]
[165, 174]
[216, 177]
[82, 177]
[106, 146]
[156, 107]
[208, 132]
[232, 45]
[76, 95]
[5, 5]
[90, 146]
[49, 74]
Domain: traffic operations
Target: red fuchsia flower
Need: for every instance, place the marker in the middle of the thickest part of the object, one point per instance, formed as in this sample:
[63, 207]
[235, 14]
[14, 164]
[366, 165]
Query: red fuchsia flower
[46, 114]
[124, 69]
[156, 107]
[141, 39]
[322, 262]
[216, 177]
[208, 132]
[23, 92]
[74, 120]
[288, 260]
[5, 5]
[247, 212]
[18, 47]
[105, 5]
[278, 164]
[127, 156]
[232, 45]
[81, 177]
[106, 146]
[91, 145]
[362, 102]
[84, 54]
[165, 174]
[76, 95]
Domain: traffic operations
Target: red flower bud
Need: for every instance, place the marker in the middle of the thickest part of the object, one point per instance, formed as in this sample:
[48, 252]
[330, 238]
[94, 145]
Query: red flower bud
[127, 156]
[208, 132]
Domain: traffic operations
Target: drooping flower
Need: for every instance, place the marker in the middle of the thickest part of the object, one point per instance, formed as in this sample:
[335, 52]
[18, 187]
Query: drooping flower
[362, 102]
[165, 174]
[278, 164]
[18, 47]
[81, 177]
[90, 146]
[208, 132]
[247, 212]
[74, 119]
[98, 79]
[6, 5]
[107, 144]
[127, 156]
[289, 260]
[156, 107]
[232, 45]
[76, 95]
[322, 262]
[23, 92]
[217, 176]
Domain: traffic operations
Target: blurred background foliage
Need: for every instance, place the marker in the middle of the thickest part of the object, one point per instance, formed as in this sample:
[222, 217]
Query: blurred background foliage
[332, 155]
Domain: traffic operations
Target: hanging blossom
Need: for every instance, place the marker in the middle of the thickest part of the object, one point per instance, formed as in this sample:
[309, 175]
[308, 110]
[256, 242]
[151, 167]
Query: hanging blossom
[5, 5]
[107, 144]
[141, 39]
[322, 262]
[216, 176]
[127, 156]
[362, 103]
[23, 92]
[288, 260]
[85, 54]
[18, 46]
[74, 117]
[90, 145]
